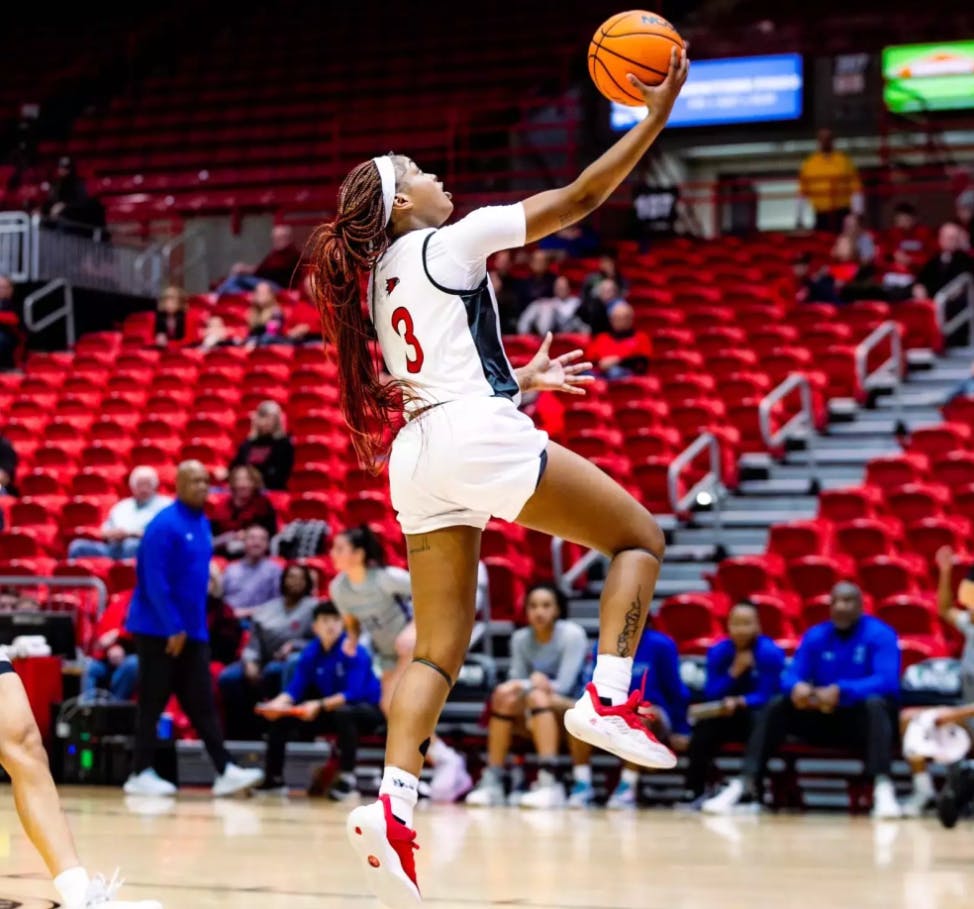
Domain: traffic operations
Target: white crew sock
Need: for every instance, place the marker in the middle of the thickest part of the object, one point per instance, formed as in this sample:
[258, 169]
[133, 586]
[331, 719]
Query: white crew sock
[582, 773]
[612, 677]
[440, 751]
[403, 791]
[72, 885]
[630, 776]
[923, 784]
[546, 778]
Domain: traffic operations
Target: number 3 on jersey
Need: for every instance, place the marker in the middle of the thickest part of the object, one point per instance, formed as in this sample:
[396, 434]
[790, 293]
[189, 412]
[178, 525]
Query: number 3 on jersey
[402, 325]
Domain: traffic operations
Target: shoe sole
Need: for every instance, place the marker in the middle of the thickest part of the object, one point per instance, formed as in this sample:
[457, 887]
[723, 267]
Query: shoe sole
[658, 758]
[236, 790]
[379, 861]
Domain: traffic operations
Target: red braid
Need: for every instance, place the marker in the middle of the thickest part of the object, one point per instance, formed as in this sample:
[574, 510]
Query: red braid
[341, 253]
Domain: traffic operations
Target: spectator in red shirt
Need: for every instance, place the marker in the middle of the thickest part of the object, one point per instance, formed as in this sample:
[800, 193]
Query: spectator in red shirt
[908, 237]
[622, 351]
[268, 447]
[113, 664]
[243, 506]
[278, 266]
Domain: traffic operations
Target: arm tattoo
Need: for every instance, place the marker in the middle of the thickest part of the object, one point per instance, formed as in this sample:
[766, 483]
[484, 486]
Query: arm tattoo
[631, 627]
[420, 545]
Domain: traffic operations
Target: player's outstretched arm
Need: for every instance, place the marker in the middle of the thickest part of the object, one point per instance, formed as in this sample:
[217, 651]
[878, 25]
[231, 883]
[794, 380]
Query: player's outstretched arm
[555, 209]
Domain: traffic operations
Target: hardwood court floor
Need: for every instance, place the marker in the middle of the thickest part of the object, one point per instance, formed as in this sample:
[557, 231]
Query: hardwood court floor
[262, 854]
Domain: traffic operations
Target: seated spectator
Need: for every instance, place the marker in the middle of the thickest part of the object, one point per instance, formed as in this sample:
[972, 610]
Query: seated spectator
[556, 314]
[8, 467]
[335, 692]
[222, 625]
[656, 676]
[170, 317]
[508, 302]
[280, 630]
[265, 320]
[949, 263]
[215, 334]
[743, 674]
[841, 689]
[862, 239]
[253, 579]
[277, 267]
[923, 794]
[9, 323]
[622, 351]
[245, 505]
[898, 278]
[908, 236]
[608, 269]
[68, 205]
[854, 279]
[540, 280]
[545, 680]
[121, 533]
[964, 212]
[113, 664]
[817, 287]
[268, 447]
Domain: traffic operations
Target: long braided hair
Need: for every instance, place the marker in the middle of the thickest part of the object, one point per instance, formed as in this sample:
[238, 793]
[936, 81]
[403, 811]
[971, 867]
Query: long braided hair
[341, 253]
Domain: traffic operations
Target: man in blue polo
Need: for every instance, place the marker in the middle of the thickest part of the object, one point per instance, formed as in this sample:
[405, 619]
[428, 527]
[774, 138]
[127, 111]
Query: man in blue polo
[841, 689]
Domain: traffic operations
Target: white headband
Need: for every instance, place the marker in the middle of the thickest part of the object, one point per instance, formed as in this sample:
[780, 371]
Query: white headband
[387, 173]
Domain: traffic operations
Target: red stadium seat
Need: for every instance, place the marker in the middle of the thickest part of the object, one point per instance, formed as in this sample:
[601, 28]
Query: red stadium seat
[795, 539]
[935, 441]
[891, 471]
[916, 501]
[741, 576]
[925, 537]
[887, 575]
[692, 620]
[813, 576]
[865, 538]
[960, 410]
[914, 617]
[918, 320]
[954, 468]
[849, 504]
[780, 617]
[507, 586]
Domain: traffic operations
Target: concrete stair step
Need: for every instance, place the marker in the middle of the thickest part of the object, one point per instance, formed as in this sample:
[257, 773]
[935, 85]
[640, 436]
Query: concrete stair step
[733, 538]
[739, 503]
[756, 517]
[844, 456]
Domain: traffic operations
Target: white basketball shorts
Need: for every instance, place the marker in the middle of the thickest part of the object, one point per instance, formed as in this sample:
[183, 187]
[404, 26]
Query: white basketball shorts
[462, 462]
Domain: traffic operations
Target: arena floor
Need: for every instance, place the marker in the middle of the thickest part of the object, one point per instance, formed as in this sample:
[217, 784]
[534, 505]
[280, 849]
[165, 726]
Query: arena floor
[273, 854]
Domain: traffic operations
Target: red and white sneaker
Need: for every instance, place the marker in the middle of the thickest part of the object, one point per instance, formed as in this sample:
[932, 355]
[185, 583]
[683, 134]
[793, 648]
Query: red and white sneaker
[386, 849]
[619, 730]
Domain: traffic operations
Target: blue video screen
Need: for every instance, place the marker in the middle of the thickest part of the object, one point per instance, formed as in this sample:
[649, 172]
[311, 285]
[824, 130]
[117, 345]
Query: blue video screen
[732, 90]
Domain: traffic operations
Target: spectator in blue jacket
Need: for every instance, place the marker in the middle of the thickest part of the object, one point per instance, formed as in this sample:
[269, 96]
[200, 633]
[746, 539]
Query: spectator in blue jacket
[333, 690]
[656, 674]
[167, 617]
[841, 690]
[743, 674]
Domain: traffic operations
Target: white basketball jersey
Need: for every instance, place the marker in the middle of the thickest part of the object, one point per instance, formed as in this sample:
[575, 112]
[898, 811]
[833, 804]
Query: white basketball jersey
[435, 313]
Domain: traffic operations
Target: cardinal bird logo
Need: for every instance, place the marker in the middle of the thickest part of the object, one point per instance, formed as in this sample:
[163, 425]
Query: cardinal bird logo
[391, 284]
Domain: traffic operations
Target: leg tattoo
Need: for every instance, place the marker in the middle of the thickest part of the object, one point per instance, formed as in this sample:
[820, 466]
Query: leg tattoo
[630, 629]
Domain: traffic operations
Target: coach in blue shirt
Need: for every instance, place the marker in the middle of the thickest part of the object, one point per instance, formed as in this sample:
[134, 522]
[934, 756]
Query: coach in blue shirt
[841, 690]
[743, 675]
[167, 617]
[334, 690]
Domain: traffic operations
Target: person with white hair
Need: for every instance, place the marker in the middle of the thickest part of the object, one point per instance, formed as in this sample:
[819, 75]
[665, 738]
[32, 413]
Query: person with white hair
[122, 530]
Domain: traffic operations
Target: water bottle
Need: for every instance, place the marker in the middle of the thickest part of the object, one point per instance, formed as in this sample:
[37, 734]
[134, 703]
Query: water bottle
[164, 727]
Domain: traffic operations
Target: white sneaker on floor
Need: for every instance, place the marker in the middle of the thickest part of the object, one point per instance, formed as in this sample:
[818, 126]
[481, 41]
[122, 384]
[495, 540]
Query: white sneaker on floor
[101, 895]
[623, 797]
[582, 795]
[885, 805]
[544, 795]
[236, 779]
[725, 801]
[619, 730]
[917, 803]
[487, 793]
[148, 782]
[385, 848]
[450, 779]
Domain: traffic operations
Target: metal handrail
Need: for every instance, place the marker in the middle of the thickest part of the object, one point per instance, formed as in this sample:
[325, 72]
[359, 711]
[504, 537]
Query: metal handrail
[151, 255]
[15, 245]
[183, 241]
[890, 368]
[97, 584]
[947, 294]
[804, 417]
[709, 482]
[565, 579]
[65, 312]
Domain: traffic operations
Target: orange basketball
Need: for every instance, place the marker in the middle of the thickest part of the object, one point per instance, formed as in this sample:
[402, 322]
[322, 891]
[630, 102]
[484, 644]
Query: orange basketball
[636, 42]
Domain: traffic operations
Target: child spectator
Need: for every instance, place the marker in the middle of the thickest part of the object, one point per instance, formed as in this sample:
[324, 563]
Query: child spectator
[547, 659]
[268, 447]
[841, 689]
[656, 675]
[622, 351]
[170, 317]
[280, 630]
[743, 674]
[334, 691]
[245, 505]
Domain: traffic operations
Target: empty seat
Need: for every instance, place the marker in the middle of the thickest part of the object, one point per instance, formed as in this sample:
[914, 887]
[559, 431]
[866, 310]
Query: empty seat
[693, 620]
[795, 539]
[891, 471]
[742, 576]
[916, 501]
[936, 441]
[849, 504]
[813, 576]
[887, 575]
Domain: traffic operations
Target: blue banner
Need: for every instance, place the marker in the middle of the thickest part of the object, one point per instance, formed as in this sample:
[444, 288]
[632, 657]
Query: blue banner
[734, 90]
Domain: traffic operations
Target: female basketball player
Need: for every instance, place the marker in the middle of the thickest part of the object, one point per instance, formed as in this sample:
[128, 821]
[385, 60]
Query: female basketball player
[466, 452]
[23, 757]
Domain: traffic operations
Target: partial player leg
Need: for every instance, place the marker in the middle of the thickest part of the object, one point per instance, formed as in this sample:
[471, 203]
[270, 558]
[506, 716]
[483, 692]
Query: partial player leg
[545, 732]
[443, 572]
[506, 709]
[155, 688]
[23, 756]
[578, 502]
